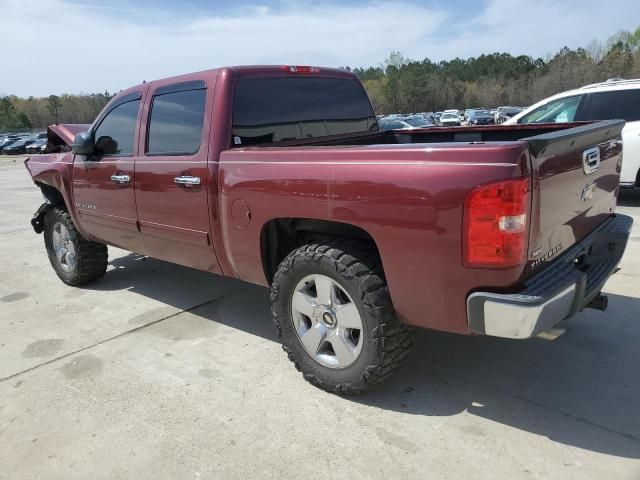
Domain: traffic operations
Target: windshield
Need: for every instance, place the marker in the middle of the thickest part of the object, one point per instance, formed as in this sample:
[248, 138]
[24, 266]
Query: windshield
[269, 110]
[446, 116]
[480, 113]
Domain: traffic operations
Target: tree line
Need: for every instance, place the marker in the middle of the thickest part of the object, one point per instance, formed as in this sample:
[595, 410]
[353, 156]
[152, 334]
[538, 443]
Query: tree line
[402, 85]
[21, 114]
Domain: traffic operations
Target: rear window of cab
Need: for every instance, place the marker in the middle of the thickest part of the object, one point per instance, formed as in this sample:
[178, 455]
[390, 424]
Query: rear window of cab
[268, 110]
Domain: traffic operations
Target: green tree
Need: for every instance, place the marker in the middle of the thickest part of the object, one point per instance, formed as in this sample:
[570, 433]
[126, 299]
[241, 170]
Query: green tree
[54, 105]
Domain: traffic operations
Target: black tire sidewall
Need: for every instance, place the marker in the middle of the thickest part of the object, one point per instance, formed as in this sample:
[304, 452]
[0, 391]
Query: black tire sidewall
[53, 217]
[301, 267]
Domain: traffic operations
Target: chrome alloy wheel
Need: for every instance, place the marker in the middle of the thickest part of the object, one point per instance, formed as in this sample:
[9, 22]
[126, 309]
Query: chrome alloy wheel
[63, 247]
[327, 321]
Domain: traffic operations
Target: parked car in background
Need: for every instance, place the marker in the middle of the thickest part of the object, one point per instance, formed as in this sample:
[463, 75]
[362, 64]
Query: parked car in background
[38, 146]
[613, 99]
[480, 117]
[7, 140]
[436, 117]
[505, 113]
[394, 123]
[418, 121]
[449, 119]
[19, 146]
[428, 116]
[465, 115]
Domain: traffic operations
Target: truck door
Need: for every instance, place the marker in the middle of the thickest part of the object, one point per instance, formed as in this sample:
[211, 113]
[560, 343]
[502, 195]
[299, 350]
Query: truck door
[103, 191]
[172, 178]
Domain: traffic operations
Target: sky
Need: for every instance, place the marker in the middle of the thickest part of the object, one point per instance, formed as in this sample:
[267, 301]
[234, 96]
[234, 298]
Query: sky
[73, 46]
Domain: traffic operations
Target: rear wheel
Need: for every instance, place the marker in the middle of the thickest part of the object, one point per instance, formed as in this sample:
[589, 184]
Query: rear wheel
[75, 259]
[334, 316]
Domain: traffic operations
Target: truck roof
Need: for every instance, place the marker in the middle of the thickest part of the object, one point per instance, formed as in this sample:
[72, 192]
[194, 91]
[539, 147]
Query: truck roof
[242, 70]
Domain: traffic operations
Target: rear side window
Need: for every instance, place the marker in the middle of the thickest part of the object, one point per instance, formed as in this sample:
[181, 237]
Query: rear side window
[175, 124]
[621, 104]
[269, 110]
[116, 132]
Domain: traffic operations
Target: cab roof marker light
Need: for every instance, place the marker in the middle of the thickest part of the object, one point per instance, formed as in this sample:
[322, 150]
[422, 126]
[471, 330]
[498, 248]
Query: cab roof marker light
[300, 69]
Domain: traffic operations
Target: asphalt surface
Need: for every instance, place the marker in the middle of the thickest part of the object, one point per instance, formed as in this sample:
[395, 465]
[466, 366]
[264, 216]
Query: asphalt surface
[159, 371]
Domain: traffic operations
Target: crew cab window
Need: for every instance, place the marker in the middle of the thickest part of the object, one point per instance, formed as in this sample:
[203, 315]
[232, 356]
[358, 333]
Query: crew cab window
[620, 104]
[175, 124]
[557, 111]
[116, 133]
[269, 110]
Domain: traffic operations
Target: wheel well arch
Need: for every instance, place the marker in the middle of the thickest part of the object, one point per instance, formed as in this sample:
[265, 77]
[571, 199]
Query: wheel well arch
[52, 195]
[280, 236]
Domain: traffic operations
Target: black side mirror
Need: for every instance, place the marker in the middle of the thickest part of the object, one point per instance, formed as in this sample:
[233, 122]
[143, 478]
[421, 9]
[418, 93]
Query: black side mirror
[82, 144]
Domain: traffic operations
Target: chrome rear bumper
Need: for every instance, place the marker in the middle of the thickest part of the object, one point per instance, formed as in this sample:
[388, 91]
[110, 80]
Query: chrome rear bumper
[557, 293]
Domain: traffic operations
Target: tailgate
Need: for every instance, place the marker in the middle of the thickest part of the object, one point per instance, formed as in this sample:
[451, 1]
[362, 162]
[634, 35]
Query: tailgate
[575, 183]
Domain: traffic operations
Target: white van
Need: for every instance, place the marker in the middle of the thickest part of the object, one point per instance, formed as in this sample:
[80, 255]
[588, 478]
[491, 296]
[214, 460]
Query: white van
[613, 99]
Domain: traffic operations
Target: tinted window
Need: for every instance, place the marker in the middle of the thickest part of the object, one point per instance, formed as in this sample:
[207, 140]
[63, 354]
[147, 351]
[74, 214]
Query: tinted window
[557, 111]
[175, 126]
[116, 132]
[623, 104]
[275, 109]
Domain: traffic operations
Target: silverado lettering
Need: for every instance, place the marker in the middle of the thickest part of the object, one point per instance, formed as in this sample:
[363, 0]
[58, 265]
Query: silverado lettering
[546, 256]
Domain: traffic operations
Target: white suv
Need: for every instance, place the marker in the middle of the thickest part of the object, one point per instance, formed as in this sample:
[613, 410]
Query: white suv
[613, 99]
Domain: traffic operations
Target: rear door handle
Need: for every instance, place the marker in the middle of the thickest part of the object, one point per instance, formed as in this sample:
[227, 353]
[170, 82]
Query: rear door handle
[120, 178]
[187, 180]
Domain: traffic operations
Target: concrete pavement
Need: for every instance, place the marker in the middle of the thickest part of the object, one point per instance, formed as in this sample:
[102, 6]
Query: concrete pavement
[159, 371]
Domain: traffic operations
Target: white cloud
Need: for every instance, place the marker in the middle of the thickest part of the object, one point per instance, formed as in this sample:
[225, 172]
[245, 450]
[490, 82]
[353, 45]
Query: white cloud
[57, 46]
[540, 27]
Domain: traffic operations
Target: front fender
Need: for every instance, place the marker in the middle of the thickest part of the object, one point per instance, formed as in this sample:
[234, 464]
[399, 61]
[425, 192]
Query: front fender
[55, 171]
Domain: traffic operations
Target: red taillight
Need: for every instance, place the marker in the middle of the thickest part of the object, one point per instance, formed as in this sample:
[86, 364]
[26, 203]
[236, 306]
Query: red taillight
[299, 69]
[496, 224]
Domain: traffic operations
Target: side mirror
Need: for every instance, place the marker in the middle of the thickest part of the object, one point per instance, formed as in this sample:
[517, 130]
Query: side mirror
[82, 144]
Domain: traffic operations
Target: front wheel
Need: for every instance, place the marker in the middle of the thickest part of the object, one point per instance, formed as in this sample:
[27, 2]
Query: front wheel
[335, 318]
[75, 259]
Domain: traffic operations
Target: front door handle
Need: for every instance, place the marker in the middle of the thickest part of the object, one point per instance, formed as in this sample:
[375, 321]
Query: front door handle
[187, 180]
[120, 178]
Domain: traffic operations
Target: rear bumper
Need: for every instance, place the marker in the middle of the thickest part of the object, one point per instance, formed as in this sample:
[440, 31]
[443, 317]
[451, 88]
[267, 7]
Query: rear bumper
[557, 293]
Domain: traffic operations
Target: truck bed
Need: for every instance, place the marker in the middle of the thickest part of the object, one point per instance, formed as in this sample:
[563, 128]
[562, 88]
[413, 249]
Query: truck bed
[407, 190]
[490, 133]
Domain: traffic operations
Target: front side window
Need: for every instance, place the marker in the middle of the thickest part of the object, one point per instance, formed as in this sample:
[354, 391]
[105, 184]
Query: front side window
[269, 110]
[621, 104]
[116, 133]
[557, 111]
[175, 124]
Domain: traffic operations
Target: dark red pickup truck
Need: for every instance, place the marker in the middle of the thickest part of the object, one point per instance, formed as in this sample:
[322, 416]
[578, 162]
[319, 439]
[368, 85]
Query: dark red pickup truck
[279, 176]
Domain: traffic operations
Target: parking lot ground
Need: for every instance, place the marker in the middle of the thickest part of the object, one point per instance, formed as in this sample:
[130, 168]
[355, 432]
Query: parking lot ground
[159, 371]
